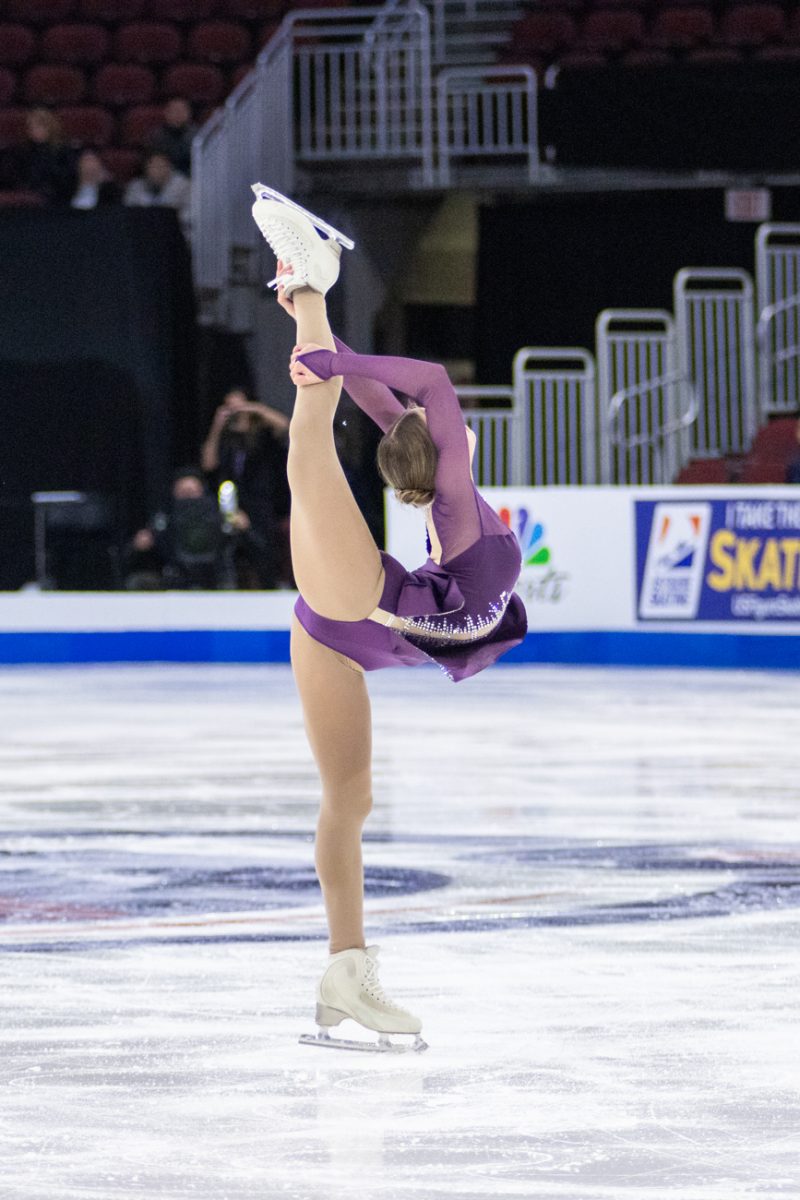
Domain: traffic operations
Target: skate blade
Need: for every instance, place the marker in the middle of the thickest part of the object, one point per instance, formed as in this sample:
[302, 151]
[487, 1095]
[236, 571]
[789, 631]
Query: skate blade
[267, 193]
[382, 1046]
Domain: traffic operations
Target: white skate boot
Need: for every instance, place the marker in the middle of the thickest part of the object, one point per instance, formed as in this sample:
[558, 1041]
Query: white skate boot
[350, 988]
[309, 245]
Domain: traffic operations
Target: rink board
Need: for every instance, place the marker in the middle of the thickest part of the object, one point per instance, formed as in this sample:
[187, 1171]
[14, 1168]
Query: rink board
[650, 576]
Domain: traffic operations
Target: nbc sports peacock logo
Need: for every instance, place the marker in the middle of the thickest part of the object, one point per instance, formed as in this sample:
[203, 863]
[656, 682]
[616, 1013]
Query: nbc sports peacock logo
[676, 555]
[530, 535]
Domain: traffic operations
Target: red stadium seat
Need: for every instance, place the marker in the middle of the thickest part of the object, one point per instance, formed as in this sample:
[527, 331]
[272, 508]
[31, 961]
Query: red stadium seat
[647, 57]
[39, 12]
[123, 164]
[793, 26]
[148, 42]
[714, 56]
[197, 83]
[266, 32]
[704, 470]
[252, 10]
[17, 45]
[54, 85]
[778, 439]
[611, 30]
[78, 44]
[88, 125]
[582, 60]
[116, 83]
[682, 28]
[139, 123]
[543, 32]
[778, 54]
[21, 200]
[752, 25]
[219, 42]
[12, 126]
[8, 85]
[182, 10]
[111, 11]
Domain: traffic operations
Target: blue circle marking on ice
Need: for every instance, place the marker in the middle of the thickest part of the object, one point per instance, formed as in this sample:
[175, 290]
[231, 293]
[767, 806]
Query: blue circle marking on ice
[95, 886]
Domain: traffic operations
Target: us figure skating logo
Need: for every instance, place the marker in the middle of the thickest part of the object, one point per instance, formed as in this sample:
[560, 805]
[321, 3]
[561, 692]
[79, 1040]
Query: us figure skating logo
[530, 535]
[676, 554]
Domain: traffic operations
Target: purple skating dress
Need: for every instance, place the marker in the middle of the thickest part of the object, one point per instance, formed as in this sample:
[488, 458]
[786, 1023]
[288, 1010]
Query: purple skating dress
[470, 593]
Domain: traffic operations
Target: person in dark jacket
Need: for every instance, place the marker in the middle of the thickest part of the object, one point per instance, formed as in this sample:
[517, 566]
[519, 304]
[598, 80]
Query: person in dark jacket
[43, 164]
[793, 469]
[174, 137]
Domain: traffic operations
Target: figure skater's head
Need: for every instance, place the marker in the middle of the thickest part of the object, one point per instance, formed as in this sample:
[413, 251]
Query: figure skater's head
[407, 458]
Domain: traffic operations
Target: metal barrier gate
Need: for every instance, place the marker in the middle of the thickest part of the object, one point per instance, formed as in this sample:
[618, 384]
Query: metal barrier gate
[646, 401]
[716, 336]
[486, 111]
[555, 397]
[498, 436]
[778, 330]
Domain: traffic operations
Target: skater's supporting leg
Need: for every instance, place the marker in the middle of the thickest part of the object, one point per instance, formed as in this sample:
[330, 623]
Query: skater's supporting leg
[336, 563]
[337, 717]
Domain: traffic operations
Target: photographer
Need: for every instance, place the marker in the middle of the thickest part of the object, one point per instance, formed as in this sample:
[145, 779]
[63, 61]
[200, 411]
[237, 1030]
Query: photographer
[191, 545]
[247, 445]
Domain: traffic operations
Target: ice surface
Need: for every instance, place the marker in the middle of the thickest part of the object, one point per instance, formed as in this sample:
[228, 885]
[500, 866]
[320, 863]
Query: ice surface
[586, 882]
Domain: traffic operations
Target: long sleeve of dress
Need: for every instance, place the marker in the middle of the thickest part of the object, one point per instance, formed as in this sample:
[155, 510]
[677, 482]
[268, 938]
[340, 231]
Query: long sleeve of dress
[455, 511]
[373, 398]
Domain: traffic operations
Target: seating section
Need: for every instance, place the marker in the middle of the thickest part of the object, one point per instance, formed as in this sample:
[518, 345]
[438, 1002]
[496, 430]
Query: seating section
[575, 33]
[107, 66]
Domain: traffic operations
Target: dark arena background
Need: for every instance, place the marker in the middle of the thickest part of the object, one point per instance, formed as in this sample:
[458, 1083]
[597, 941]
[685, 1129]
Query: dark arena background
[582, 865]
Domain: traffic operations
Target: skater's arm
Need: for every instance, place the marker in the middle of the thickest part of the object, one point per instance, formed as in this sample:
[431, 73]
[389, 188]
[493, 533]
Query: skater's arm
[375, 399]
[455, 508]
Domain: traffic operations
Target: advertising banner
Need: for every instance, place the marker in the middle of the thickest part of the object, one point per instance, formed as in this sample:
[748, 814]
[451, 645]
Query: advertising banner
[618, 558]
[733, 559]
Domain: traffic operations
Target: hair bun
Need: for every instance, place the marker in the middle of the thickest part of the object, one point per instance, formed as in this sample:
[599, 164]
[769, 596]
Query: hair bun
[417, 496]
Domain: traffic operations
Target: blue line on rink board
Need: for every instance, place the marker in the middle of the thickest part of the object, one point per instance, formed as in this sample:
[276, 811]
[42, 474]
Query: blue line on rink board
[599, 648]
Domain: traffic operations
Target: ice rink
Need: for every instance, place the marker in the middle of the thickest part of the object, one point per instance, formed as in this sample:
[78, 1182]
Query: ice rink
[585, 881]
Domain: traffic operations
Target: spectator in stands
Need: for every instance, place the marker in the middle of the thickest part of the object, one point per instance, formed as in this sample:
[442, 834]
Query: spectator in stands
[174, 138]
[162, 186]
[247, 444]
[793, 469]
[95, 186]
[43, 164]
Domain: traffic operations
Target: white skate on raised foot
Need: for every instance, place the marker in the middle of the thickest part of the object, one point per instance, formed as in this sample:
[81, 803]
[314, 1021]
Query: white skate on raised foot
[300, 239]
[350, 988]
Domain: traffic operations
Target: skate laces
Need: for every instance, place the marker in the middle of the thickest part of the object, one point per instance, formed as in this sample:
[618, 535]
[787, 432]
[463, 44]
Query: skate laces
[373, 986]
[285, 243]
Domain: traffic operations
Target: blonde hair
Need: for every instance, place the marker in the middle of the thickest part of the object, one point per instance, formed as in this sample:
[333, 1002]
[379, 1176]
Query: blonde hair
[407, 459]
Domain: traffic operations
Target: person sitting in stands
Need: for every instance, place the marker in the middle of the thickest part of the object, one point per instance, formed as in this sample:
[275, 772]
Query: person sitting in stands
[43, 164]
[96, 188]
[162, 186]
[793, 469]
[174, 137]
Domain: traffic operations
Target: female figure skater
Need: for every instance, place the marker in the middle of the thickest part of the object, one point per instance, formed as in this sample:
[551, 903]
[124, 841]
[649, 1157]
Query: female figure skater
[359, 609]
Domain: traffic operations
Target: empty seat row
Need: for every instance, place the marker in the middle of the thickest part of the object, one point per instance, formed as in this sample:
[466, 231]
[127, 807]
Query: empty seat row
[47, 12]
[147, 42]
[683, 26]
[116, 84]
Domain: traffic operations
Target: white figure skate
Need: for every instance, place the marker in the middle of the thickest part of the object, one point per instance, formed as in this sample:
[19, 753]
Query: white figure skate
[300, 239]
[350, 988]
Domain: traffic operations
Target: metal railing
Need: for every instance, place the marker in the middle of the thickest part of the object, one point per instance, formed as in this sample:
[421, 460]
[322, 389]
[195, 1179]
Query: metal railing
[497, 433]
[555, 397]
[365, 92]
[486, 112]
[716, 336]
[646, 399]
[778, 306]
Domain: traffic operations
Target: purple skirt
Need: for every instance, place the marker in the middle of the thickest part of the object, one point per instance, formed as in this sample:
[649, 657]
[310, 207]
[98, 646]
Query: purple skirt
[430, 590]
